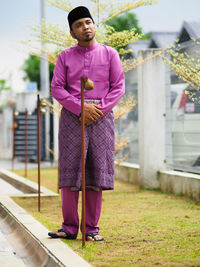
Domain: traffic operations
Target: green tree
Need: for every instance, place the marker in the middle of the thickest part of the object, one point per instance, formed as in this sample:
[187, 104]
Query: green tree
[31, 67]
[3, 85]
[127, 21]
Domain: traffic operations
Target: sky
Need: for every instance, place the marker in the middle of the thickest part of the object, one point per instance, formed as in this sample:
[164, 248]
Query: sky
[16, 17]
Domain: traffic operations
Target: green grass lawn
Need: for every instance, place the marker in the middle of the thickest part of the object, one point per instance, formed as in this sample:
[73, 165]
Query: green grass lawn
[140, 227]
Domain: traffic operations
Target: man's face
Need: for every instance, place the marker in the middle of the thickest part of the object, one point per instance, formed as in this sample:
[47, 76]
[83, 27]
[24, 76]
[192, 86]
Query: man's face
[83, 30]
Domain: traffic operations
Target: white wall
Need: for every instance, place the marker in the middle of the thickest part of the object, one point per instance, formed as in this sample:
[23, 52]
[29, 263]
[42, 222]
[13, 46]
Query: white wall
[26, 100]
[152, 86]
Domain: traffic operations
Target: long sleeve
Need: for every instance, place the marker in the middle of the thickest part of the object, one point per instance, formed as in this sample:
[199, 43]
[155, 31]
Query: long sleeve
[117, 84]
[58, 85]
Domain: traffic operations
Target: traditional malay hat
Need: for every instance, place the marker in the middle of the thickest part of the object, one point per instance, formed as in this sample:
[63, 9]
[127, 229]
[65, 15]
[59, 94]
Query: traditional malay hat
[78, 13]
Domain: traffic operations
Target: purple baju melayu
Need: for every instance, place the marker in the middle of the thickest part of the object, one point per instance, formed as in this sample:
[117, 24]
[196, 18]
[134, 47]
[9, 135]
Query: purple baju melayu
[102, 65]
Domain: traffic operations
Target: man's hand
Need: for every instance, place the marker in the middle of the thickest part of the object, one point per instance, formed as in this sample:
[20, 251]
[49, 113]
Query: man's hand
[92, 113]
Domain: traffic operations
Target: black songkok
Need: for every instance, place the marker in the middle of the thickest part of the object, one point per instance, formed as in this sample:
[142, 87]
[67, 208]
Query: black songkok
[78, 13]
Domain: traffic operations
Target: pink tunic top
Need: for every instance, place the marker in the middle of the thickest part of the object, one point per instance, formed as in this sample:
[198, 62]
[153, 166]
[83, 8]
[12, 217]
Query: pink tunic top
[98, 62]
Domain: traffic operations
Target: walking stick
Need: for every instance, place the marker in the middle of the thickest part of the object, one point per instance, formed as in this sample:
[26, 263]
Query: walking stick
[87, 85]
[38, 147]
[26, 137]
[13, 140]
[14, 125]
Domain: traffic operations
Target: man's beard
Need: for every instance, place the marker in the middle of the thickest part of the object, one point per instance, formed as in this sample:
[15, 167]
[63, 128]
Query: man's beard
[87, 39]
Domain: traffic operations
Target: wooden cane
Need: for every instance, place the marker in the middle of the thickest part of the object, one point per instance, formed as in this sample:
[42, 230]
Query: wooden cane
[86, 84]
[83, 160]
[38, 147]
[26, 137]
[13, 140]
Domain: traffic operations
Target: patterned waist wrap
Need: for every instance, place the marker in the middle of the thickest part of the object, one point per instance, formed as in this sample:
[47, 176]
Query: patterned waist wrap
[99, 151]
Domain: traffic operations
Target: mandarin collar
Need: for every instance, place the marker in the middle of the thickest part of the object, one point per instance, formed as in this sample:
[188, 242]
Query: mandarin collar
[87, 48]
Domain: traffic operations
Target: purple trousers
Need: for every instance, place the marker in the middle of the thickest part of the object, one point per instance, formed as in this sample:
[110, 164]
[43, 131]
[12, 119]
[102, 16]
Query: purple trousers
[93, 201]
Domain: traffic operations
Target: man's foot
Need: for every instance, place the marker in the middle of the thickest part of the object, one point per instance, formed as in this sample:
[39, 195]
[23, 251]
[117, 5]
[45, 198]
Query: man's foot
[61, 233]
[94, 237]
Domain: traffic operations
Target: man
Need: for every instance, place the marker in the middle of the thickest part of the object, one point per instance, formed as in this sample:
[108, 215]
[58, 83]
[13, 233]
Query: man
[102, 65]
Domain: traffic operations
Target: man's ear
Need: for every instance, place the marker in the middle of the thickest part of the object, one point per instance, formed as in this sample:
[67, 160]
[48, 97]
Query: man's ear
[72, 34]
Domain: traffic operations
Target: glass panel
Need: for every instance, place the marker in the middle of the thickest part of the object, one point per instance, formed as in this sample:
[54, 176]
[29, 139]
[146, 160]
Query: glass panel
[185, 124]
[127, 126]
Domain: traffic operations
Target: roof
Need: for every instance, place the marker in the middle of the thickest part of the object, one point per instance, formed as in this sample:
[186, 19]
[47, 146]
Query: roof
[137, 46]
[162, 39]
[190, 30]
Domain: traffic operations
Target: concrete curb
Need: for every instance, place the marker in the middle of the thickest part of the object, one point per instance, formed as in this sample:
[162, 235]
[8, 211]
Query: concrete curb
[33, 244]
[29, 188]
